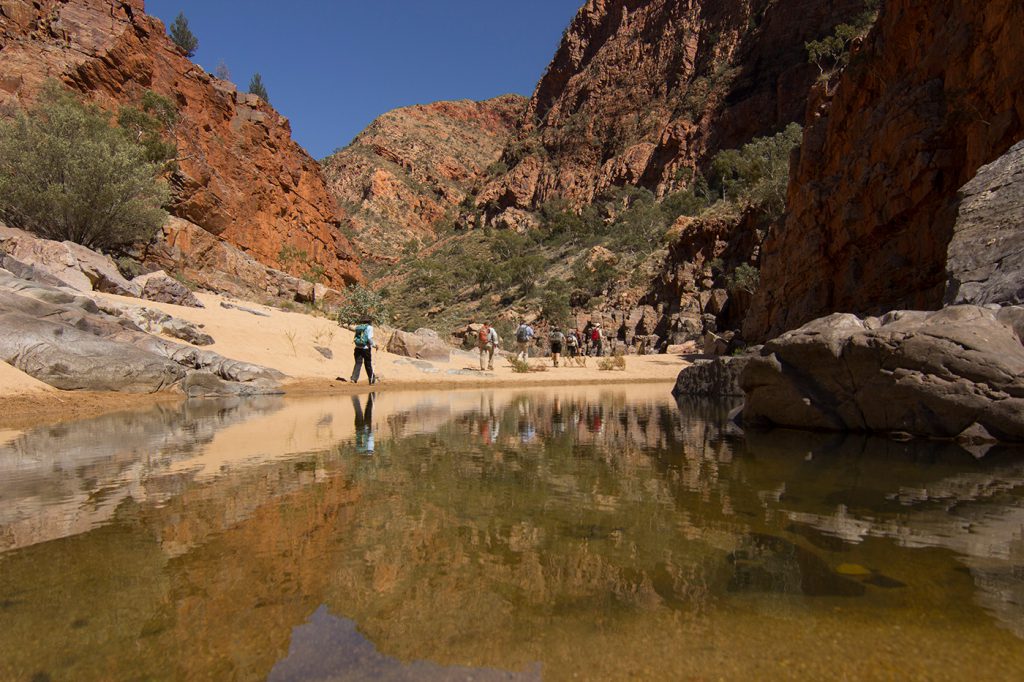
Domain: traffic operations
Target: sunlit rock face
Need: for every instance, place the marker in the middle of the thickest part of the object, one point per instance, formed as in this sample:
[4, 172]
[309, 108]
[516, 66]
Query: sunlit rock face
[410, 169]
[935, 92]
[642, 91]
[240, 175]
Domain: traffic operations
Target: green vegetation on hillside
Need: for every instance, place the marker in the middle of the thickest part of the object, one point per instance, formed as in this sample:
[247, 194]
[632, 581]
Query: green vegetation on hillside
[67, 173]
[557, 266]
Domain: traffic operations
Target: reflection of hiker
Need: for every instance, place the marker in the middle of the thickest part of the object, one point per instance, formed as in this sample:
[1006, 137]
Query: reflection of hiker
[557, 339]
[572, 343]
[364, 349]
[487, 342]
[523, 337]
[364, 424]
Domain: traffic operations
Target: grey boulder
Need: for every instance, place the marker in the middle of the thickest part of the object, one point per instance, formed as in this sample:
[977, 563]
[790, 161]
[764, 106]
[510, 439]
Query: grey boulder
[985, 257]
[157, 286]
[421, 345]
[716, 377]
[933, 374]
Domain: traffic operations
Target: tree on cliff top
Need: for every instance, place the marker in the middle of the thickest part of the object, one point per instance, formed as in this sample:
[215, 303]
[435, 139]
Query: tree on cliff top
[182, 35]
[257, 88]
[67, 173]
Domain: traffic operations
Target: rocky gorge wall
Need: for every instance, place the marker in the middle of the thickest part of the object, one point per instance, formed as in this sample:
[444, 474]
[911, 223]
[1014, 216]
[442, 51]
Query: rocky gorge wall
[240, 175]
[410, 168]
[935, 92]
[642, 92]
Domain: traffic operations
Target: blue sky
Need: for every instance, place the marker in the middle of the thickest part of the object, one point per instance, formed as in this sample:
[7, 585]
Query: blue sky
[332, 66]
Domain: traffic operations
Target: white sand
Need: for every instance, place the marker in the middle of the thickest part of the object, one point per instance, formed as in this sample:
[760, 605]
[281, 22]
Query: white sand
[285, 342]
[15, 382]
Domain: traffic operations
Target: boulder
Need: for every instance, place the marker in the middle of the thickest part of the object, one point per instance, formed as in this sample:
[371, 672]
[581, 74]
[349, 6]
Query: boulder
[158, 322]
[68, 342]
[76, 266]
[932, 374]
[157, 286]
[985, 258]
[418, 346]
[717, 377]
[65, 357]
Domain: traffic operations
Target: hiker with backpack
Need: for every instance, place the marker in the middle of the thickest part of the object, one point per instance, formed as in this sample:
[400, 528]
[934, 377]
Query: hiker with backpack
[487, 341]
[523, 337]
[364, 345]
[572, 343]
[597, 340]
[557, 340]
[587, 341]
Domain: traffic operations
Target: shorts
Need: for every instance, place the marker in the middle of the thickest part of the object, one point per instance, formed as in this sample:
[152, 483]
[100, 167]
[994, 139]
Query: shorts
[556, 347]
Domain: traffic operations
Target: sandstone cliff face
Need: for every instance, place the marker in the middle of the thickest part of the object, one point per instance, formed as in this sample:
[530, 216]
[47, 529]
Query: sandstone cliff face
[241, 177]
[935, 92]
[412, 166]
[642, 91]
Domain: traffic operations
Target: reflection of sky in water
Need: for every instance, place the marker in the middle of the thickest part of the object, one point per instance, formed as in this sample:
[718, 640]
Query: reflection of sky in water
[329, 648]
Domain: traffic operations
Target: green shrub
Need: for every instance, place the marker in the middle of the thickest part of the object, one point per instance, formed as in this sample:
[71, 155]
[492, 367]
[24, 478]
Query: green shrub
[745, 278]
[67, 173]
[149, 123]
[757, 172]
[519, 366]
[362, 302]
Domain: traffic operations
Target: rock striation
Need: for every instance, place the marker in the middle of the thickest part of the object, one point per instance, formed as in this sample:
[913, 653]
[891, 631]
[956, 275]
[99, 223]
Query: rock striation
[985, 258]
[642, 92]
[412, 167]
[65, 340]
[935, 92]
[240, 176]
[956, 371]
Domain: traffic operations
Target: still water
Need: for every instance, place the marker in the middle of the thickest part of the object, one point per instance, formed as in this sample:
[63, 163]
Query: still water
[589, 533]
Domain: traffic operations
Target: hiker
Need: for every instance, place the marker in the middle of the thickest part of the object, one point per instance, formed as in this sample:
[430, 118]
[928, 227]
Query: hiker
[587, 341]
[364, 350]
[557, 340]
[523, 337]
[597, 340]
[572, 343]
[487, 342]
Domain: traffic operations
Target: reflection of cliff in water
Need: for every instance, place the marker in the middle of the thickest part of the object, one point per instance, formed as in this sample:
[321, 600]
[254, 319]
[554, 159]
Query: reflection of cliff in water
[494, 530]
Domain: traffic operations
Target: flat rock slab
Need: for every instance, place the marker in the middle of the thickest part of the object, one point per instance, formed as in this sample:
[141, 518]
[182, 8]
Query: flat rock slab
[933, 374]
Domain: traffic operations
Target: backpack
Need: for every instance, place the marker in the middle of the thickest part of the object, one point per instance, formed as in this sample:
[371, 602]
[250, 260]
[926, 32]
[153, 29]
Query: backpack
[522, 334]
[572, 340]
[362, 337]
[484, 336]
[595, 335]
[557, 337]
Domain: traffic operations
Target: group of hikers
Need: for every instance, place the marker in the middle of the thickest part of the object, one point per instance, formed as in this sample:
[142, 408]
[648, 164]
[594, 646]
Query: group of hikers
[572, 342]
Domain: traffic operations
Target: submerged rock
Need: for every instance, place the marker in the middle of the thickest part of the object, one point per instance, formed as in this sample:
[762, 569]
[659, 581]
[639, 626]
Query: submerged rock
[920, 373]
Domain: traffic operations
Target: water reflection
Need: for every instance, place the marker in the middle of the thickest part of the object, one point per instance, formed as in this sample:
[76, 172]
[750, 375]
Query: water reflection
[492, 534]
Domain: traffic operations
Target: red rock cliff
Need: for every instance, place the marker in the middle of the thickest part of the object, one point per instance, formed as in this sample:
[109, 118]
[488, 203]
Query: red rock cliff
[935, 92]
[642, 90]
[241, 175]
[412, 166]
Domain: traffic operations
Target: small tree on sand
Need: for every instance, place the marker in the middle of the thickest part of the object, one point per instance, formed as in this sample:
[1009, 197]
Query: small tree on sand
[67, 173]
[182, 35]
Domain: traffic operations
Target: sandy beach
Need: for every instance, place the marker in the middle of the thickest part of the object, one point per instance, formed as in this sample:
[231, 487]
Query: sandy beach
[285, 341]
